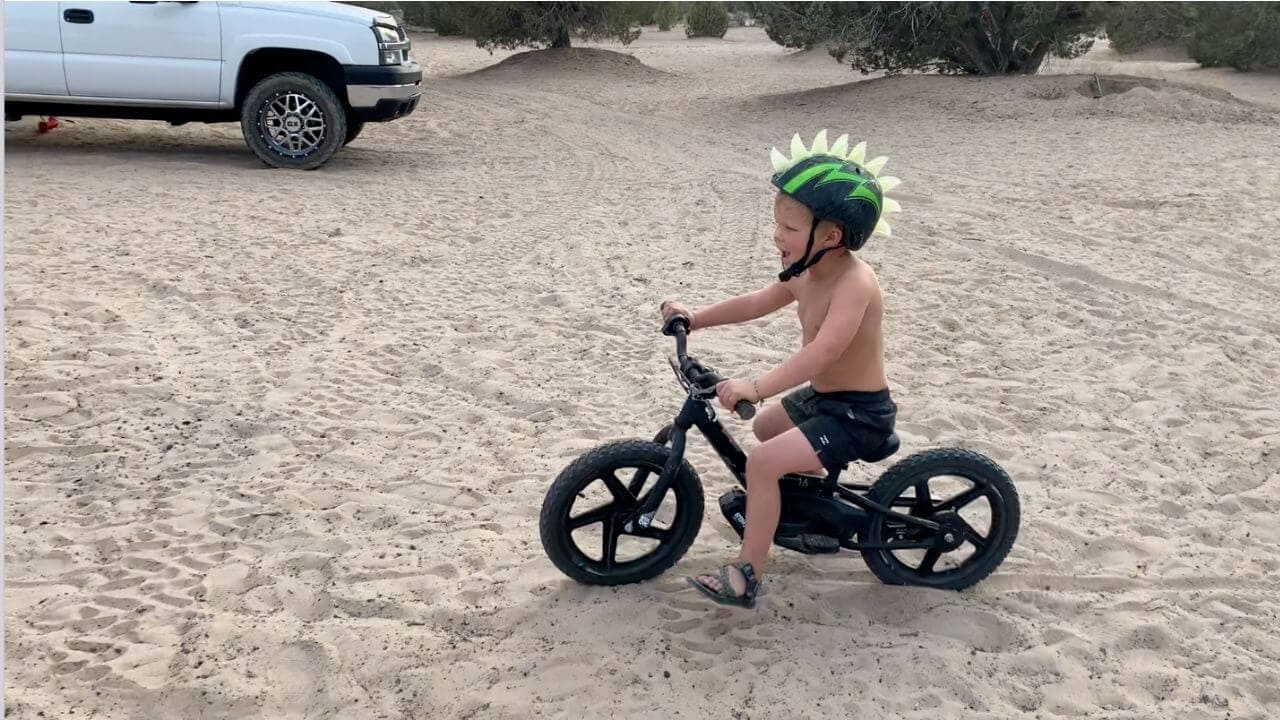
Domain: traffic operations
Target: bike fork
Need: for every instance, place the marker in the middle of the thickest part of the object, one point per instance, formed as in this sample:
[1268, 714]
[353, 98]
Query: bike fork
[646, 511]
[689, 414]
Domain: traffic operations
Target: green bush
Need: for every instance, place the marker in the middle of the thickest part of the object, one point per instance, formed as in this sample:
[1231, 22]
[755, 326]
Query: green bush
[707, 19]
[510, 25]
[950, 37]
[1132, 26]
[801, 25]
[445, 18]
[1242, 35]
[667, 15]
[439, 16]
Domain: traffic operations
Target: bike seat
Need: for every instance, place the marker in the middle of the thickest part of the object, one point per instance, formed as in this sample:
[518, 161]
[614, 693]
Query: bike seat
[887, 448]
[827, 483]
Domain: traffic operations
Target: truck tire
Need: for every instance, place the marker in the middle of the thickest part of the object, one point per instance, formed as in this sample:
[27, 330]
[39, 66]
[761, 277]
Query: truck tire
[293, 120]
[354, 126]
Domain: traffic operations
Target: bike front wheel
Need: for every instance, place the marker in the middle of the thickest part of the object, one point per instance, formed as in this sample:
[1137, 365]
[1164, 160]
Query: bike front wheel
[597, 545]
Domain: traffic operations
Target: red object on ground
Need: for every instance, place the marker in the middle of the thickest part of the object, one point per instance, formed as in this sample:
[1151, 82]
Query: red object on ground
[47, 125]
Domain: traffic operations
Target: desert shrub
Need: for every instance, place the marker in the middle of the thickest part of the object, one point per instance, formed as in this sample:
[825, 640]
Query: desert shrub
[1242, 35]
[667, 15]
[950, 37]
[439, 16]
[707, 19]
[510, 25]
[801, 24]
[1132, 26]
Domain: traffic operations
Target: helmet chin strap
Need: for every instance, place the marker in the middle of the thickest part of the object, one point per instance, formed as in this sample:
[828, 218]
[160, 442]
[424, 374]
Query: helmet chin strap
[806, 262]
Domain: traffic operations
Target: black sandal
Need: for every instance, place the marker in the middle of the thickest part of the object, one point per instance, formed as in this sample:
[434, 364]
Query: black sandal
[725, 595]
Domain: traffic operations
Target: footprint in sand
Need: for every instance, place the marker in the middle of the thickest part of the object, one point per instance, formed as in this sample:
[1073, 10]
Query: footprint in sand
[303, 601]
[976, 628]
[1148, 637]
[42, 406]
[296, 678]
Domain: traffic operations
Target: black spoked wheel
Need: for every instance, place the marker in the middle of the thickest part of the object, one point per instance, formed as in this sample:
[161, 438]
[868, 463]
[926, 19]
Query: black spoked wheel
[968, 494]
[584, 523]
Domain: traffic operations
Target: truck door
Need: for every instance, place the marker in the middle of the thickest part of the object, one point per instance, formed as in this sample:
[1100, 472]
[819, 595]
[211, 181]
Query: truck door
[145, 51]
[32, 50]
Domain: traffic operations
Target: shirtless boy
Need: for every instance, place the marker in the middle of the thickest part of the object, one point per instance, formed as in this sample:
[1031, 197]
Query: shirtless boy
[827, 205]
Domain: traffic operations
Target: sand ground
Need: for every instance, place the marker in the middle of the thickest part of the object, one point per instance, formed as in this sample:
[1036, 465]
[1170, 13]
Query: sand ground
[276, 442]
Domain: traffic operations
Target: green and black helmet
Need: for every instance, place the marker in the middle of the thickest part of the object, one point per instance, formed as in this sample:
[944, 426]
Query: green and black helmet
[836, 185]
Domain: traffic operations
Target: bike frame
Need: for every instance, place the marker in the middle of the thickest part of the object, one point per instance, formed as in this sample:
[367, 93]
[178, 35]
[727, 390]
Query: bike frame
[698, 412]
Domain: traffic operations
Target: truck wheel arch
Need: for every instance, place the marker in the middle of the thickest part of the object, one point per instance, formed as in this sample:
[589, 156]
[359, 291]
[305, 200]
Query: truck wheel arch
[264, 62]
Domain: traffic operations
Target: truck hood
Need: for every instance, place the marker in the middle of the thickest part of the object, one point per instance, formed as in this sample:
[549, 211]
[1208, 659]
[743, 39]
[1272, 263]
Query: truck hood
[333, 10]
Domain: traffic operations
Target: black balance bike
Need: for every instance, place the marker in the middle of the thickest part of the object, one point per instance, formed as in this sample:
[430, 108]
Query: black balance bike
[942, 518]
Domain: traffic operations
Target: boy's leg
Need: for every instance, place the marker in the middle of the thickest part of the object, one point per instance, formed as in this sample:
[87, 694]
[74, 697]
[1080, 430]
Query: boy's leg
[771, 422]
[789, 452]
[774, 421]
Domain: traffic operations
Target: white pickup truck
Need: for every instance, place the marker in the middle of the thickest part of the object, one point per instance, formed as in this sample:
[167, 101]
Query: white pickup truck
[301, 78]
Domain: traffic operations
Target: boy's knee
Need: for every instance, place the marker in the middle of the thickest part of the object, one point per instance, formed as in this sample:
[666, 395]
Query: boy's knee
[762, 463]
[776, 458]
[770, 424]
[760, 428]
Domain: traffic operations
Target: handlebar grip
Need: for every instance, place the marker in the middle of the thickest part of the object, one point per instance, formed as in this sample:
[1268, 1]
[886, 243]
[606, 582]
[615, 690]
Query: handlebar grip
[745, 410]
[676, 320]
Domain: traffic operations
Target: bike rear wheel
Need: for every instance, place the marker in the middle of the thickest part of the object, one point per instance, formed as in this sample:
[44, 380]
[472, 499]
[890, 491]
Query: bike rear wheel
[597, 546]
[965, 492]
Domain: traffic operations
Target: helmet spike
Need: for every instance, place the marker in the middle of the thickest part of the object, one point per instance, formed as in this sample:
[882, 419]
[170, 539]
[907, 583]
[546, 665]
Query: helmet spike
[779, 160]
[858, 153]
[798, 150]
[819, 143]
[840, 148]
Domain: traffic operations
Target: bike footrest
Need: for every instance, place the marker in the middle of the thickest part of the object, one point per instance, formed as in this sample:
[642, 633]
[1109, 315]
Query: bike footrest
[809, 544]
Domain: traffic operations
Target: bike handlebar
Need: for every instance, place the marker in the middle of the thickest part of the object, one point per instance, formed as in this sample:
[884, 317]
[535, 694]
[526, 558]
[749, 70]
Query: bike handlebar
[678, 326]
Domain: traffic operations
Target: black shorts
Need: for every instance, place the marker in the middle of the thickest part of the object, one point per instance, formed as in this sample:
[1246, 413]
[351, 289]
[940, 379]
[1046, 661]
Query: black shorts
[842, 426]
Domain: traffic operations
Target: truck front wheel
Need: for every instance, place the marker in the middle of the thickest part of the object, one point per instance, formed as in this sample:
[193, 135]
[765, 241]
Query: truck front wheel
[354, 126]
[293, 120]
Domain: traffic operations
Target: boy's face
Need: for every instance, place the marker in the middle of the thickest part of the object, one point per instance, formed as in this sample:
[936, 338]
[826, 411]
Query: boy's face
[792, 222]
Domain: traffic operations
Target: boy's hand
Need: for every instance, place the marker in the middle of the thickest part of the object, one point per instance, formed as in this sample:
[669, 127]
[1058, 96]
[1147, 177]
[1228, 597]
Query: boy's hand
[671, 308]
[731, 391]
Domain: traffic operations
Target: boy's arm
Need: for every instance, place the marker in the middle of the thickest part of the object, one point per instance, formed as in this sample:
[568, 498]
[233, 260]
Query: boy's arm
[744, 307]
[844, 316]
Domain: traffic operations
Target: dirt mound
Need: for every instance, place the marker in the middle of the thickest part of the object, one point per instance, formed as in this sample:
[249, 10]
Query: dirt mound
[602, 64]
[1024, 97]
[1153, 98]
[1098, 86]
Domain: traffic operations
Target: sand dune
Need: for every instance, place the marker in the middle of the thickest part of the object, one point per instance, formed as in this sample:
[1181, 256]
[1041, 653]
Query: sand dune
[276, 442]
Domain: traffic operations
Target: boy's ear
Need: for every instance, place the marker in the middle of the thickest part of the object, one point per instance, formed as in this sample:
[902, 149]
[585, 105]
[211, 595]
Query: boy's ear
[834, 231]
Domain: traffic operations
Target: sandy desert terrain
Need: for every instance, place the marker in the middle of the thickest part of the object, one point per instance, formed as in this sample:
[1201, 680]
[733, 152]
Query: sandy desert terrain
[275, 443]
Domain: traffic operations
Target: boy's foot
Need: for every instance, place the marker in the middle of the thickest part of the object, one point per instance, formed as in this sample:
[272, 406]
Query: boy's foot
[736, 584]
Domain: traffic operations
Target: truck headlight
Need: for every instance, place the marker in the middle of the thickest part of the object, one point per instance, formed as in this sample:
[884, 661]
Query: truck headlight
[393, 45]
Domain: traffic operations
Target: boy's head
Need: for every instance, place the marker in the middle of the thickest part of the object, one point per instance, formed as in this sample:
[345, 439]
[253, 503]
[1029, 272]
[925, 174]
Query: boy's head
[842, 196]
[793, 221]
